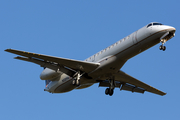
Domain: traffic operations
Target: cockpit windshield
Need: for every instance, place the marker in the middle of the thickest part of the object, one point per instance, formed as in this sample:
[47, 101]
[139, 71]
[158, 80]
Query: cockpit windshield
[153, 24]
[157, 24]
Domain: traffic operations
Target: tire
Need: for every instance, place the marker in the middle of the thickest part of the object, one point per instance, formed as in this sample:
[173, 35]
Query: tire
[107, 91]
[111, 91]
[164, 48]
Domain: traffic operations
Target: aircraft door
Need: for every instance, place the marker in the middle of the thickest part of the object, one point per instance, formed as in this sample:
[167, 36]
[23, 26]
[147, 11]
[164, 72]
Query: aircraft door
[134, 38]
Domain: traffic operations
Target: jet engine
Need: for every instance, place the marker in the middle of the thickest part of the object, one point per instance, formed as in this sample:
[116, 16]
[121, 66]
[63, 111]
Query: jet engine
[49, 74]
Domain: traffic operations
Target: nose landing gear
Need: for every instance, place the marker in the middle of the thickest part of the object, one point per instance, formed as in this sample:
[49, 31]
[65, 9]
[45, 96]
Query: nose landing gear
[163, 40]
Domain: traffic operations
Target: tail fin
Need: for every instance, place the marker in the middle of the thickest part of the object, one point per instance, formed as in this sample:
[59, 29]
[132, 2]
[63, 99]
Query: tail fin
[47, 82]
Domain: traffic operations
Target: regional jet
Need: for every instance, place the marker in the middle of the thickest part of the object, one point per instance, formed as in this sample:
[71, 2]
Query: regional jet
[63, 75]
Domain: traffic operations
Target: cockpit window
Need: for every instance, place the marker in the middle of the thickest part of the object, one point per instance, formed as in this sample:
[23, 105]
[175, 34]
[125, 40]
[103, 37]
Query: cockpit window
[153, 24]
[157, 24]
[149, 25]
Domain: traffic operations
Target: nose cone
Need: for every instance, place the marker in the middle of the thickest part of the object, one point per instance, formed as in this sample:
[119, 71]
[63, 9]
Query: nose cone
[164, 29]
[158, 27]
[171, 31]
[168, 28]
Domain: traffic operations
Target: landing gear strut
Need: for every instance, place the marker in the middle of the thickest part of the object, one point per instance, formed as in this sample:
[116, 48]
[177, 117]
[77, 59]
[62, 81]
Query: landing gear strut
[162, 47]
[109, 91]
[76, 78]
[76, 82]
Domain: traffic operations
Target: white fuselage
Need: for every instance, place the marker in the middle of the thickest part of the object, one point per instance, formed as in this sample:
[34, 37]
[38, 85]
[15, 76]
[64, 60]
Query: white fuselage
[112, 58]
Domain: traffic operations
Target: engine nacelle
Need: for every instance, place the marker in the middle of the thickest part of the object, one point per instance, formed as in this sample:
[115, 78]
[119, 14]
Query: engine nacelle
[49, 74]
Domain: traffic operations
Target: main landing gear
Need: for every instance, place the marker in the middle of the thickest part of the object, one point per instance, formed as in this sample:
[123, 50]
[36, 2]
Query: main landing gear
[76, 82]
[76, 78]
[109, 91]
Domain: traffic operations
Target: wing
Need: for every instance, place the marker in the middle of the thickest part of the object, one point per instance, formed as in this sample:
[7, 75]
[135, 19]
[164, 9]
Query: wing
[126, 82]
[73, 64]
[123, 77]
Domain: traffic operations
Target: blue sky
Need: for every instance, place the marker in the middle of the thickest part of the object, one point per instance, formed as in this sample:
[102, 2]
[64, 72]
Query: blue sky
[77, 30]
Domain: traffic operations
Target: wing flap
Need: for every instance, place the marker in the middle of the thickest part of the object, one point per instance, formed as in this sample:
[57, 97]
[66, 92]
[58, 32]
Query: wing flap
[70, 63]
[122, 86]
[132, 88]
[49, 65]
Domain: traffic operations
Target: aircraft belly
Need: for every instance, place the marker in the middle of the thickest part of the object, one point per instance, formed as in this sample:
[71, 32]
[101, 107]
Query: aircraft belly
[84, 86]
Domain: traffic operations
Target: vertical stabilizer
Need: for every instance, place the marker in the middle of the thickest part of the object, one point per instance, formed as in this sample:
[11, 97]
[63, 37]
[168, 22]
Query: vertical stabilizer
[47, 82]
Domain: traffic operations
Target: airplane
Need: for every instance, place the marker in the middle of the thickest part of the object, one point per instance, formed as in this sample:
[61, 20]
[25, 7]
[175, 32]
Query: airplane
[63, 75]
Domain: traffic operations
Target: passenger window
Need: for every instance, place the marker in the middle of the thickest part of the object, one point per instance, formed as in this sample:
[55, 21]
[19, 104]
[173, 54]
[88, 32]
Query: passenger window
[115, 44]
[127, 37]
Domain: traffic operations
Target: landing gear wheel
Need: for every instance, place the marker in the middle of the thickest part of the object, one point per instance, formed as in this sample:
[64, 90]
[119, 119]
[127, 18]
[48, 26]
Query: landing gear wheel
[164, 48]
[111, 91]
[107, 91]
[74, 82]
